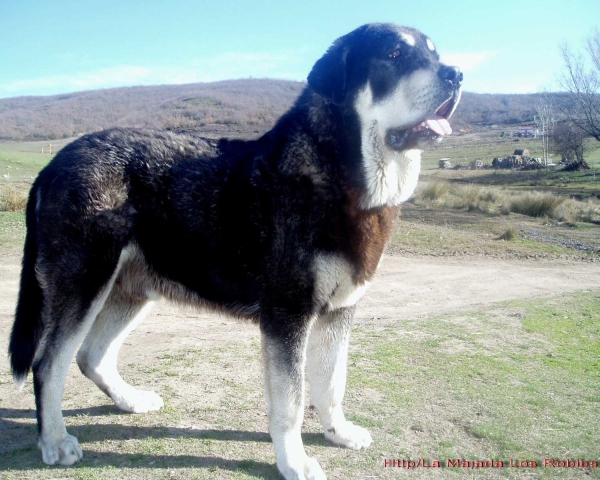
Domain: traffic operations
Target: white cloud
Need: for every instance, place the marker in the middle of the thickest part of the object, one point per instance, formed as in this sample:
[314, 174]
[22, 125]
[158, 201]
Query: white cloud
[467, 61]
[119, 75]
[220, 67]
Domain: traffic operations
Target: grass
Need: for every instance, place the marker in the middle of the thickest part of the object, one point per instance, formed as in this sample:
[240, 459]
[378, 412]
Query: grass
[475, 197]
[510, 235]
[537, 204]
[435, 190]
[485, 145]
[429, 229]
[12, 232]
[518, 382]
[20, 162]
[12, 200]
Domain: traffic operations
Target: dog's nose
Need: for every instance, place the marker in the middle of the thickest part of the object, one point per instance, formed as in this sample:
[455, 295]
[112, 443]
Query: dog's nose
[452, 74]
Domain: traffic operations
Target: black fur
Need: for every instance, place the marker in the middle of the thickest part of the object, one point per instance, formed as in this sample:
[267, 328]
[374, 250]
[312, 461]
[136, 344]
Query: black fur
[236, 226]
[27, 328]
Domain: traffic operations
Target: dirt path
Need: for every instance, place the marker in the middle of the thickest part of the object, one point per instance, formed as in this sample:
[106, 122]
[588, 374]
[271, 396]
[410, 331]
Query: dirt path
[416, 287]
[404, 288]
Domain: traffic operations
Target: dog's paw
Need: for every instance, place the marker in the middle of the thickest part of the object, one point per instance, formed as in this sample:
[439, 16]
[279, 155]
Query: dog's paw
[349, 435]
[65, 452]
[307, 470]
[138, 401]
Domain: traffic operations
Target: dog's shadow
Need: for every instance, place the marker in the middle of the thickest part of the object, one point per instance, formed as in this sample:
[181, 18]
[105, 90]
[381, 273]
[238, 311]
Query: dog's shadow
[20, 438]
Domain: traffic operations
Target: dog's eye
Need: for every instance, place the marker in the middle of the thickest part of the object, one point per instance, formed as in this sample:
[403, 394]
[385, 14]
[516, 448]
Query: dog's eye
[395, 53]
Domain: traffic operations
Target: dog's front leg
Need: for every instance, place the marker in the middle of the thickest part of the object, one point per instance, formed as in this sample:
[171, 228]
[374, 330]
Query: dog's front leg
[284, 356]
[327, 354]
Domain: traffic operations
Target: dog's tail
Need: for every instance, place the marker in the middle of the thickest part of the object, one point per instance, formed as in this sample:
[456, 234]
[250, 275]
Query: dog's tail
[27, 328]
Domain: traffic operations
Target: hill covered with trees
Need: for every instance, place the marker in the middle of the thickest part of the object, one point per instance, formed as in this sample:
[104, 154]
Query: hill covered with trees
[244, 108]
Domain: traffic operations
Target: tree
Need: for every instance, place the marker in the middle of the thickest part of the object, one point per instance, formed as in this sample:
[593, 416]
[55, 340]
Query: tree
[569, 141]
[545, 119]
[582, 80]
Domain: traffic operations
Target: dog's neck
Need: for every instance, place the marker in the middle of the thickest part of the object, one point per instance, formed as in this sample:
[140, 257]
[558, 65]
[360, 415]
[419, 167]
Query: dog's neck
[390, 176]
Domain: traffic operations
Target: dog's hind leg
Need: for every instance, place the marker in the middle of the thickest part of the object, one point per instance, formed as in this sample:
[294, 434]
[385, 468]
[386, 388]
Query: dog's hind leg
[326, 363]
[97, 357]
[71, 304]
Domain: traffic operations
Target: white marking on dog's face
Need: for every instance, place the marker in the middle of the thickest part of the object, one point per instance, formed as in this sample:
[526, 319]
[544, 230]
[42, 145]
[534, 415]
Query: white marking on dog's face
[430, 45]
[334, 286]
[408, 38]
[414, 97]
[391, 176]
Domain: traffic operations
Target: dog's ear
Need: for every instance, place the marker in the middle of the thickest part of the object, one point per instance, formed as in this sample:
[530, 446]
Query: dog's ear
[328, 76]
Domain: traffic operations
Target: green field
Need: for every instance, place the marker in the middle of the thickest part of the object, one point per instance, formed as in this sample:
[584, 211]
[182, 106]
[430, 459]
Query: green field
[486, 144]
[22, 161]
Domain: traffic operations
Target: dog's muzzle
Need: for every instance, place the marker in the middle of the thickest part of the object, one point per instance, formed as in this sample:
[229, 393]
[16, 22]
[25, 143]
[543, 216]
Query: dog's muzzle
[435, 126]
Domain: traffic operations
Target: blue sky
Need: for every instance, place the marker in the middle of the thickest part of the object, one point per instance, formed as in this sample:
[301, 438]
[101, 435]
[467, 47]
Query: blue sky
[59, 46]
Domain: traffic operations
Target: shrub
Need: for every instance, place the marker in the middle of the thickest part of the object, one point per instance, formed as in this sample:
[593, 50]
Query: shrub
[509, 235]
[467, 196]
[537, 204]
[579, 211]
[435, 190]
[12, 200]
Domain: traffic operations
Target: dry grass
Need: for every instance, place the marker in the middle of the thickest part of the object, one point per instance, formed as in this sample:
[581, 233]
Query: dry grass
[573, 211]
[537, 204]
[12, 200]
[500, 201]
[510, 234]
[435, 190]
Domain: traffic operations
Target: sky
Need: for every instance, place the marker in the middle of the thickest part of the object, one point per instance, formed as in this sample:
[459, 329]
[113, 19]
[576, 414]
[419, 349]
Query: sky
[61, 46]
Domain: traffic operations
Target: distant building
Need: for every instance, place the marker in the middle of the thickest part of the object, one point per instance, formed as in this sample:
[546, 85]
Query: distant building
[528, 132]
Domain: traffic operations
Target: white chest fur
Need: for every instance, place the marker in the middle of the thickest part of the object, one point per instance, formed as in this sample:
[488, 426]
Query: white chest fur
[334, 285]
[390, 176]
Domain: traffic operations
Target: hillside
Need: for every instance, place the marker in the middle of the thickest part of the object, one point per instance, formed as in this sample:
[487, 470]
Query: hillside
[242, 107]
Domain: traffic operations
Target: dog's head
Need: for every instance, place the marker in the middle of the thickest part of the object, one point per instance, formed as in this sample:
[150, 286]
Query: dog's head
[392, 79]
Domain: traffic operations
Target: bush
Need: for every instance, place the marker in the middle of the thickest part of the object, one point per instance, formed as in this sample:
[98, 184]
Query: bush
[572, 211]
[435, 190]
[509, 235]
[467, 196]
[537, 204]
[12, 200]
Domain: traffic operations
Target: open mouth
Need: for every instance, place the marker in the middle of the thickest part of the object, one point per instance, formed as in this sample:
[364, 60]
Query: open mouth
[431, 128]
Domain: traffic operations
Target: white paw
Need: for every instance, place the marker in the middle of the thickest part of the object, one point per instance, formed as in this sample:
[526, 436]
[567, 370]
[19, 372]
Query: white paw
[138, 401]
[65, 452]
[349, 435]
[307, 470]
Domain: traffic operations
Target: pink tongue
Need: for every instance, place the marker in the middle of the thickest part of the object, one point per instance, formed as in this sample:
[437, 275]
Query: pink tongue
[439, 125]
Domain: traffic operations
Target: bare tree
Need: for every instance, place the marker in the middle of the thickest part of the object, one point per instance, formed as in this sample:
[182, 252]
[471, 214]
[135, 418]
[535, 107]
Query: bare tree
[572, 143]
[582, 80]
[545, 119]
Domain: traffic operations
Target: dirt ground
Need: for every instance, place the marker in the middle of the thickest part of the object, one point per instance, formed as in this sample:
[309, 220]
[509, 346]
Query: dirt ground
[410, 288]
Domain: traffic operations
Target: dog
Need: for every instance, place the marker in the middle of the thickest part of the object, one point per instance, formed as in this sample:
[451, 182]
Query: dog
[286, 230]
